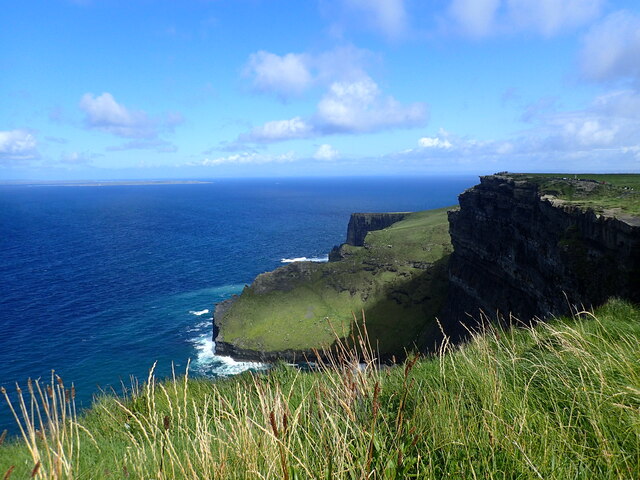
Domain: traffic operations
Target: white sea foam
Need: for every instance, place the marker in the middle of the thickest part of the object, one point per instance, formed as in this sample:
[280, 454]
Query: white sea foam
[322, 259]
[199, 327]
[199, 312]
[207, 362]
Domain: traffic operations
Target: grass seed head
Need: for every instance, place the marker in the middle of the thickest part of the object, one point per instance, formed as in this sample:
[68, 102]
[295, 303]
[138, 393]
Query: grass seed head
[167, 423]
[36, 469]
[8, 472]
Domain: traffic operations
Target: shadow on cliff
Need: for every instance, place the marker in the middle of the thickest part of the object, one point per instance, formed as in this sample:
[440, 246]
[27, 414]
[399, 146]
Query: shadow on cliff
[404, 320]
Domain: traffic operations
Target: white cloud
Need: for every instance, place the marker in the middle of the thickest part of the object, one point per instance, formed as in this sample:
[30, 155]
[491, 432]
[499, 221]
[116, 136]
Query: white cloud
[16, 145]
[104, 113]
[550, 17]
[326, 152]
[611, 49]
[611, 121]
[346, 63]
[474, 17]
[156, 144]
[248, 158]
[481, 18]
[434, 142]
[286, 75]
[360, 106]
[605, 136]
[277, 130]
[77, 158]
[388, 16]
[348, 107]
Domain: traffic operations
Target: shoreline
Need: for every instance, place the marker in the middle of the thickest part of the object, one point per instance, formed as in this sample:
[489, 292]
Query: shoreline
[106, 183]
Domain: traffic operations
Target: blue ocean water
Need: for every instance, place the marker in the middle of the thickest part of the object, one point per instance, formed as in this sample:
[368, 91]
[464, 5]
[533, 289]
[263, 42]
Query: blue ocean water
[99, 283]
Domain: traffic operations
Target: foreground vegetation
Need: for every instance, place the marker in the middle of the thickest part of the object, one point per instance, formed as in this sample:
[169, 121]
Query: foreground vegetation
[604, 193]
[557, 401]
[398, 279]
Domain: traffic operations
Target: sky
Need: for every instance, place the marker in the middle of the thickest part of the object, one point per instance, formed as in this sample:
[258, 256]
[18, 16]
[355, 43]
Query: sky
[152, 89]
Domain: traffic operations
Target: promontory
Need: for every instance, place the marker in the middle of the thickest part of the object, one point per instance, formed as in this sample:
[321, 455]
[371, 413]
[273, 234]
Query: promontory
[518, 248]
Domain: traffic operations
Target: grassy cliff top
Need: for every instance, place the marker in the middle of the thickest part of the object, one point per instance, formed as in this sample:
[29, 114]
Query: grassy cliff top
[558, 401]
[604, 193]
[397, 278]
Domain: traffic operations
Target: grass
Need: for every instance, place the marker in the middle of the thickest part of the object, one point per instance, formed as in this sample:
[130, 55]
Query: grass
[398, 279]
[556, 401]
[616, 193]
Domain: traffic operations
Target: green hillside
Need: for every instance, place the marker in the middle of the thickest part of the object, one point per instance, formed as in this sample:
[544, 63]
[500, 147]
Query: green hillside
[398, 279]
[604, 193]
[558, 401]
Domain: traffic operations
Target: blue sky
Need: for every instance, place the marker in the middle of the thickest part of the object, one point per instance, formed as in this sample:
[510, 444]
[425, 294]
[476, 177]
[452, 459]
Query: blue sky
[105, 89]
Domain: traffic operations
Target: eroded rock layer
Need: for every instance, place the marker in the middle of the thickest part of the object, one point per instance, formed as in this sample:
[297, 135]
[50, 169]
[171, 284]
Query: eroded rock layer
[362, 223]
[518, 252]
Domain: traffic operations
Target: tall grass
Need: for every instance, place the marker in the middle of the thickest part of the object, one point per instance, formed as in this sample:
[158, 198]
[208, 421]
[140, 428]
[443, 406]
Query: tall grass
[559, 400]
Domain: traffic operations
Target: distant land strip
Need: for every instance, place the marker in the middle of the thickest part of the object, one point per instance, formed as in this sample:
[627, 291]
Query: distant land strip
[106, 183]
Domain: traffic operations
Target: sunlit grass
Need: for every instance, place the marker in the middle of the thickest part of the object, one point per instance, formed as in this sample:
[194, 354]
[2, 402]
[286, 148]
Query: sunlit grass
[556, 401]
[399, 279]
[614, 193]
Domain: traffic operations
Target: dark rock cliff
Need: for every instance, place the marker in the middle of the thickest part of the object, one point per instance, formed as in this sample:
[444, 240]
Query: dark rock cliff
[359, 225]
[362, 223]
[518, 252]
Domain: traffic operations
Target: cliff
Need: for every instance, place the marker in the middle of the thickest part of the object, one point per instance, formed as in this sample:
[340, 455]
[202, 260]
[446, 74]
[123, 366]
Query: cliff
[360, 224]
[397, 279]
[524, 246]
[519, 250]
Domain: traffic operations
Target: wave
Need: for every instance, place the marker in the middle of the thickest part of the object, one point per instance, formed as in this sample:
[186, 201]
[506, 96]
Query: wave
[322, 259]
[209, 364]
[199, 312]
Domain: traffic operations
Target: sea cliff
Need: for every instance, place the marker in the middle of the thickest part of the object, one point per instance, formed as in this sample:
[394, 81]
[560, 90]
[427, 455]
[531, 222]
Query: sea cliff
[396, 279]
[519, 248]
[360, 224]
[522, 252]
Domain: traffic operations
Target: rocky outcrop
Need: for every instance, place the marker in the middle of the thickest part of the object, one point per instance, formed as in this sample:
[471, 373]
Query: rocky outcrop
[396, 281]
[521, 253]
[251, 355]
[284, 278]
[359, 225]
[362, 223]
[281, 279]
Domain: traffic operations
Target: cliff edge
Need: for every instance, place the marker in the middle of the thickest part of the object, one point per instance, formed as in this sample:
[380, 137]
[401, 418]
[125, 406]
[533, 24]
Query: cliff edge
[397, 278]
[360, 224]
[535, 246]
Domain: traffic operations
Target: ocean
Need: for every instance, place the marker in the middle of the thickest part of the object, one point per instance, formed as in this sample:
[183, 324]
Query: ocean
[98, 283]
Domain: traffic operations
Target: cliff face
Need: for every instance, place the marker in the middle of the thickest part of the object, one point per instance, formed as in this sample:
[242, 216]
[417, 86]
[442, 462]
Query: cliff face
[283, 279]
[518, 252]
[362, 223]
[398, 282]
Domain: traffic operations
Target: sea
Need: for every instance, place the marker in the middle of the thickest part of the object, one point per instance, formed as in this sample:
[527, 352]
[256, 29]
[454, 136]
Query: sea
[98, 283]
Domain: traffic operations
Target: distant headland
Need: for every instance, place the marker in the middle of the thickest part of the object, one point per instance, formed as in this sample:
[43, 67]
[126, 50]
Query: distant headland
[105, 183]
[529, 245]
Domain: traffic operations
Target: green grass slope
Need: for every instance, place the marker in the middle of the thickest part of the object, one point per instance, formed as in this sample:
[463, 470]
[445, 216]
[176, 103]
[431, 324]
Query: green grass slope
[557, 401]
[398, 279]
[614, 193]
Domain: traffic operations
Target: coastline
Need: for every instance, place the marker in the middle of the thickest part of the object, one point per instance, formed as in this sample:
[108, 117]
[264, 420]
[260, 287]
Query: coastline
[105, 183]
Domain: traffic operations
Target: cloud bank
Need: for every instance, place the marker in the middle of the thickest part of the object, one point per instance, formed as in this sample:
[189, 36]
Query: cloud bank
[18, 145]
[481, 18]
[346, 108]
[291, 75]
[386, 16]
[104, 113]
[611, 49]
